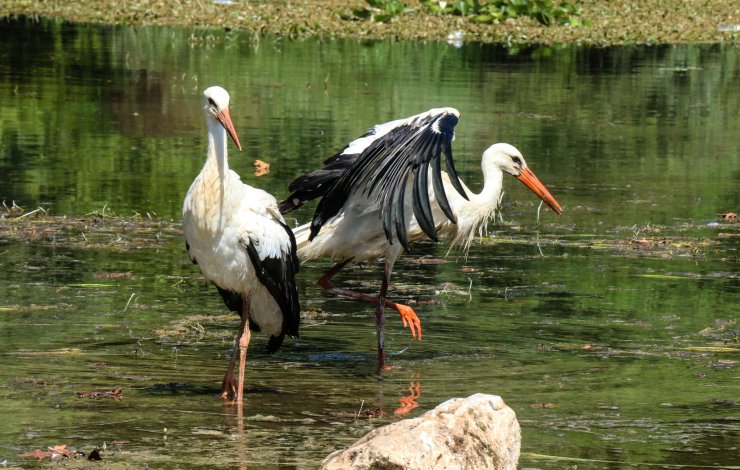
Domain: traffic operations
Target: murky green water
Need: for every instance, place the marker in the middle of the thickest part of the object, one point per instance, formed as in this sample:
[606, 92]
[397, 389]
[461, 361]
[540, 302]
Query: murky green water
[611, 330]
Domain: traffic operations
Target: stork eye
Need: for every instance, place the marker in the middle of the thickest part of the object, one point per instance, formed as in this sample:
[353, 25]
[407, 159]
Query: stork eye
[211, 102]
[517, 161]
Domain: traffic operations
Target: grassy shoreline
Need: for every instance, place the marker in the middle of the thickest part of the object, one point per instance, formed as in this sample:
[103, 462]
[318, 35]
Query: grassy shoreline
[610, 22]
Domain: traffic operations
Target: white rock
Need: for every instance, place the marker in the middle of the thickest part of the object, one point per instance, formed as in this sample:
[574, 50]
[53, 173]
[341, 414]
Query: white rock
[478, 432]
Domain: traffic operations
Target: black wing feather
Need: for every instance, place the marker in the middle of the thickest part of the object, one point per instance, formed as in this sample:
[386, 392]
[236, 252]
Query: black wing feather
[400, 218]
[422, 206]
[454, 179]
[278, 277]
[315, 184]
[392, 153]
[234, 302]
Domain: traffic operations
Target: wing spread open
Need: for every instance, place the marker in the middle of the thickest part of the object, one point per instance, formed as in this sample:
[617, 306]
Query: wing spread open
[379, 165]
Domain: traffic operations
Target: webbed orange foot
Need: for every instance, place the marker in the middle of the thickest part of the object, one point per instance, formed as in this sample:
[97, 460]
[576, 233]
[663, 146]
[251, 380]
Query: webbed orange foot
[409, 317]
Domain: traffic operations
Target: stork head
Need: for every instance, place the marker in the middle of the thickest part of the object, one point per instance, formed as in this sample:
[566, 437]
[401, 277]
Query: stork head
[217, 107]
[509, 160]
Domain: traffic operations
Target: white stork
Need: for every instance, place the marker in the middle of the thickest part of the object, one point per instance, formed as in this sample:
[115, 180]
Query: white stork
[238, 237]
[386, 189]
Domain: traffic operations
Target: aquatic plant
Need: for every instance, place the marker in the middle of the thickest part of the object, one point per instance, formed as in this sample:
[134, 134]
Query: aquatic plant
[546, 12]
[381, 11]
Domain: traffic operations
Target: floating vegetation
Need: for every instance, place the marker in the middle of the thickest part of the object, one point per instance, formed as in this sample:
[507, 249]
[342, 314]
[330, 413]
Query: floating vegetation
[94, 232]
[381, 11]
[665, 246]
[194, 328]
[130, 233]
[604, 22]
[546, 12]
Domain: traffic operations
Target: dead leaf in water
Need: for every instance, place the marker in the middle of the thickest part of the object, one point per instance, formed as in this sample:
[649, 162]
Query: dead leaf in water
[261, 168]
[728, 217]
[36, 454]
[113, 275]
[53, 453]
[543, 406]
[115, 394]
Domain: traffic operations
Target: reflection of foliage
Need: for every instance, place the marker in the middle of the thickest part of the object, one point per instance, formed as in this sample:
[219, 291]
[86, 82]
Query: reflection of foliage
[495, 11]
[115, 117]
[381, 11]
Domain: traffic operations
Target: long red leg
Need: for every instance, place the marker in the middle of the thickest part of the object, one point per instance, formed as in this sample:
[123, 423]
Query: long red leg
[243, 345]
[380, 320]
[229, 387]
[408, 316]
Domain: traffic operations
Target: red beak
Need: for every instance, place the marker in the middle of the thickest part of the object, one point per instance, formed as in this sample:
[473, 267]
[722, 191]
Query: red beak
[225, 119]
[531, 181]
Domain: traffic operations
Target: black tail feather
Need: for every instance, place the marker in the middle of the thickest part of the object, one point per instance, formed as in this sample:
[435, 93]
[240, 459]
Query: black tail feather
[274, 343]
[316, 184]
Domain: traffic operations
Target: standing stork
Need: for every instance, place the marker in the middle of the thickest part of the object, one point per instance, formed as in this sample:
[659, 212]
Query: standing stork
[238, 237]
[386, 189]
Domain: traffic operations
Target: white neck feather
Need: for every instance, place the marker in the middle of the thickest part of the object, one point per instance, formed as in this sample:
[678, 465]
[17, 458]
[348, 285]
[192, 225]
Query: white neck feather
[217, 146]
[475, 213]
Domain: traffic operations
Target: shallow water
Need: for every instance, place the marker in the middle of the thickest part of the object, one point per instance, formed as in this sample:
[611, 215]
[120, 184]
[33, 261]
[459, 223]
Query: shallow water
[611, 330]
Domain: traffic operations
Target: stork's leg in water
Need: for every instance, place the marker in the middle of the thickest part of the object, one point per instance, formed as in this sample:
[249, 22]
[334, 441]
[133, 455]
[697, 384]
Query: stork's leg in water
[246, 335]
[380, 319]
[408, 316]
[229, 386]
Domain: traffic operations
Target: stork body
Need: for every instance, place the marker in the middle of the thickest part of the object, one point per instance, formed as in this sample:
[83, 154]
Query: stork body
[386, 189]
[237, 236]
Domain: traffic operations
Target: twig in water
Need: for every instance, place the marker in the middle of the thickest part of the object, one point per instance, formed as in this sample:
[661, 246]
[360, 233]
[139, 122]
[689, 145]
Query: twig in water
[470, 290]
[33, 212]
[538, 212]
[129, 301]
[360, 410]
[537, 240]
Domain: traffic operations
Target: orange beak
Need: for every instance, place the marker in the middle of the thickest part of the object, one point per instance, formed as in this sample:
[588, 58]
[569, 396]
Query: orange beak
[225, 119]
[531, 181]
